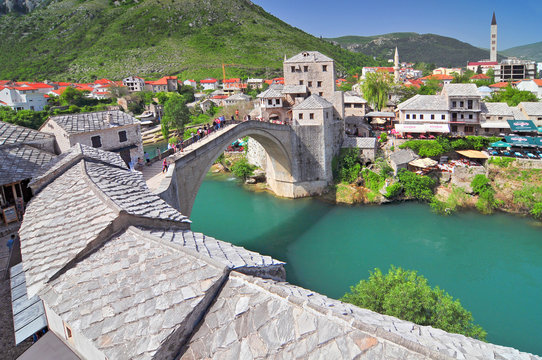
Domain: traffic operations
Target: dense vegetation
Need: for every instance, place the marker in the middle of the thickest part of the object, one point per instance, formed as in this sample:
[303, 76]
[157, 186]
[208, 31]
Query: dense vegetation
[441, 145]
[81, 40]
[408, 296]
[529, 52]
[512, 96]
[413, 47]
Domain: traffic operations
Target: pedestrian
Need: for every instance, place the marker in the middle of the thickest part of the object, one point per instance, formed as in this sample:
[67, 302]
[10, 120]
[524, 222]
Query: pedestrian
[237, 114]
[159, 153]
[164, 166]
[147, 159]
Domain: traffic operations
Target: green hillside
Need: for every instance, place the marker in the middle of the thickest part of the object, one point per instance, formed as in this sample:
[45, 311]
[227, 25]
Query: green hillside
[527, 52]
[82, 40]
[413, 47]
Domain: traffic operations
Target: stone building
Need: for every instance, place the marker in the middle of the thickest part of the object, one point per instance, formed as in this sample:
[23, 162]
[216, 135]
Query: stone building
[108, 130]
[134, 83]
[312, 69]
[493, 119]
[121, 276]
[515, 70]
[165, 84]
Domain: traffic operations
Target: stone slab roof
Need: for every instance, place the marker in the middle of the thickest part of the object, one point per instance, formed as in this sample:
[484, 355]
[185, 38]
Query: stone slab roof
[354, 99]
[294, 89]
[239, 97]
[403, 156]
[256, 318]
[65, 215]
[21, 162]
[13, 134]
[308, 56]
[496, 109]
[70, 157]
[313, 102]
[88, 122]
[461, 90]
[359, 142]
[518, 114]
[424, 102]
[271, 93]
[531, 108]
[135, 298]
[229, 255]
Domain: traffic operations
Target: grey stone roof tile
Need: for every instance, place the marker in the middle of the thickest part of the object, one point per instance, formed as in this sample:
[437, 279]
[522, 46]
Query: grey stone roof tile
[238, 97]
[359, 142]
[425, 102]
[532, 108]
[470, 90]
[66, 215]
[141, 309]
[294, 89]
[313, 102]
[496, 109]
[232, 256]
[308, 56]
[20, 162]
[271, 93]
[14, 134]
[129, 191]
[403, 156]
[87, 122]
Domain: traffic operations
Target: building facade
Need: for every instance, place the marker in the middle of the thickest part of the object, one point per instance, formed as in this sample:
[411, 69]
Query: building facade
[134, 83]
[22, 97]
[515, 70]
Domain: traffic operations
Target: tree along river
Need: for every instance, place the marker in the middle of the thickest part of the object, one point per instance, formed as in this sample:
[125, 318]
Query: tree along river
[493, 264]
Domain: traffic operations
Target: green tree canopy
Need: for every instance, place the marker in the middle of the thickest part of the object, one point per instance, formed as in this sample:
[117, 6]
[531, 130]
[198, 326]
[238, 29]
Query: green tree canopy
[376, 88]
[512, 96]
[176, 114]
[408, 296]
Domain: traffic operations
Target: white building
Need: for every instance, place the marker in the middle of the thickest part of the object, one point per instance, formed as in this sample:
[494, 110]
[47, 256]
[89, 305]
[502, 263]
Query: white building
[533, 85]
[22, 97]
[190, 82]
[134, 83]
[207, 84]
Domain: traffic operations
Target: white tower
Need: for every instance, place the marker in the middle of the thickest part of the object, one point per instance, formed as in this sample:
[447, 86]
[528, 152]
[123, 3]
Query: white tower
[396, 66]
[493, 48]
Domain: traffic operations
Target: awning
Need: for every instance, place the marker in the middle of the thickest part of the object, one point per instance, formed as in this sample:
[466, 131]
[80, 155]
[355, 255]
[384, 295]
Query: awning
[378, 121]
[422, 128]
[412, 128]
[423, 163]
[522, 125]
[538, 141]
[472, 154]
[495, 125]
[500, 144]
[520, 140]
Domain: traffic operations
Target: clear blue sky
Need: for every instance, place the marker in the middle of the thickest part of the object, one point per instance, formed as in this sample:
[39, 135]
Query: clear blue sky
[519, 21]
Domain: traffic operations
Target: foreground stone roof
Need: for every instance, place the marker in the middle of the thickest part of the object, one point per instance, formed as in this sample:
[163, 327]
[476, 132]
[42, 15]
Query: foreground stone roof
[531, 108]
[13, 134]
[461, 90]
[496, 109]
[125, 273]
[87, 122]
[308, 56]
[21, 162]
[313, 102]
[425, 102]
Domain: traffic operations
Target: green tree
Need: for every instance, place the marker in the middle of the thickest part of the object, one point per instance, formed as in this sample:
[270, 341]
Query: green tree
[416, 186]
[176, 114]
[346, 167]
[512, 96]
[431, 87]
[408, 296]
[376, 88]
[242, 169]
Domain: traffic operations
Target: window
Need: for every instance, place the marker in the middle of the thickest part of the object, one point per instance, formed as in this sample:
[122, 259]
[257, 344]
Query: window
[305, 68]
[432, 116]
[470, 116]
[122, 136]
[461, 104]
[324, 68]
[68, 332]
[311, 116]
[321, 93]
[300, 116]
[462, 116]
[469, 104]
[443, 117]
[270, 102]
[493, 36]
[408, 116]
[414, 116]
[500, 117]
[469, 129]
[292, 68]
[96, 141]
[319, 84]
[454, 128]
[421, 116]
[309, 84]
[454, 104]
[300, 82]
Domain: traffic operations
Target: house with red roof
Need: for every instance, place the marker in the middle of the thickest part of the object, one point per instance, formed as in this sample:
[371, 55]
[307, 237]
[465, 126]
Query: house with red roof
[165, 84]
[483, 65]
[233, 85]
[477, 77]
[279, 80]
[23, 96]
[340, 82]
[209, 84]
[372, 69]
[500, 85]
[443, 79]
[190, 82]
[532, 85]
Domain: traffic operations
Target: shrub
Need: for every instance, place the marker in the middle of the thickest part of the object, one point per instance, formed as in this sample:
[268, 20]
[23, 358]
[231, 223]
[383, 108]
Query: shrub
[501, 162]
[393, 190]
[383, 137]
[243, 169]
[373, 181]
[416, 186]
[536, 211]
[407, 295]
[480, 183]
[346, 167]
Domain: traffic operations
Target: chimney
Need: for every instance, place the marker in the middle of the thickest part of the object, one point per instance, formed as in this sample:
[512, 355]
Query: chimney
[108, 118]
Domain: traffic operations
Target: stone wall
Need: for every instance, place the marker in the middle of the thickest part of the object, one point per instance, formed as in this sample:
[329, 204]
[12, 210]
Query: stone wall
[256, 154]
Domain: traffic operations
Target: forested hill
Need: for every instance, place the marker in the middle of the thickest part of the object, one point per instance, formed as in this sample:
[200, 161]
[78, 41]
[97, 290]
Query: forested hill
[413, 47]
[528, 52]
[82, 40]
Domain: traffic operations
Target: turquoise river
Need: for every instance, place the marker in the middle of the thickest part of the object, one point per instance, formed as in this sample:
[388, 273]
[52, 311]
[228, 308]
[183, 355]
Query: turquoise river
[493, 264]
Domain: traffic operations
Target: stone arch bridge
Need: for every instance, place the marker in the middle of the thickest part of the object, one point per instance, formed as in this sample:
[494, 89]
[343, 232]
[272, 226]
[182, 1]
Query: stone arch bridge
[287, 162]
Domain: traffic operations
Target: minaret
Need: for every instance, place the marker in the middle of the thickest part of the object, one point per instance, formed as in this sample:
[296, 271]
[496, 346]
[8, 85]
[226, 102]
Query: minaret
[493, 48]
[396, 66]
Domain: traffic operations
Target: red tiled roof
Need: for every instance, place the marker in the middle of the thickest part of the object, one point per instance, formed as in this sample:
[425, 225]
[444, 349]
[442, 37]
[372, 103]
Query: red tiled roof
[268, 82]
[220, 97]
[162, 81]
[35, 85]
[482, 63]
[1, 102]
[538, 82]
[103, 81]
[480, 77]
[381, 68]
[501, 84]
[4, 82]
[60, 90]
[438, 77]
[233, 80]
[60, 83]
[208, 81]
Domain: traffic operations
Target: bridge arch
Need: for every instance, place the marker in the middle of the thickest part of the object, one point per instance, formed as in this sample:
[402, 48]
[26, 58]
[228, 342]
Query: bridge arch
[192, 166]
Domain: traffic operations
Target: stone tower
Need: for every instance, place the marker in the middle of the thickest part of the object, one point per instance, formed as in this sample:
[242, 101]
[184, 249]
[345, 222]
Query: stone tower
[493, 48]
[396, 66]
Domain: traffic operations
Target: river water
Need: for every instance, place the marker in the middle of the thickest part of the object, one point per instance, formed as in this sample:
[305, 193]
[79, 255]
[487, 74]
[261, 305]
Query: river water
[493, 264]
